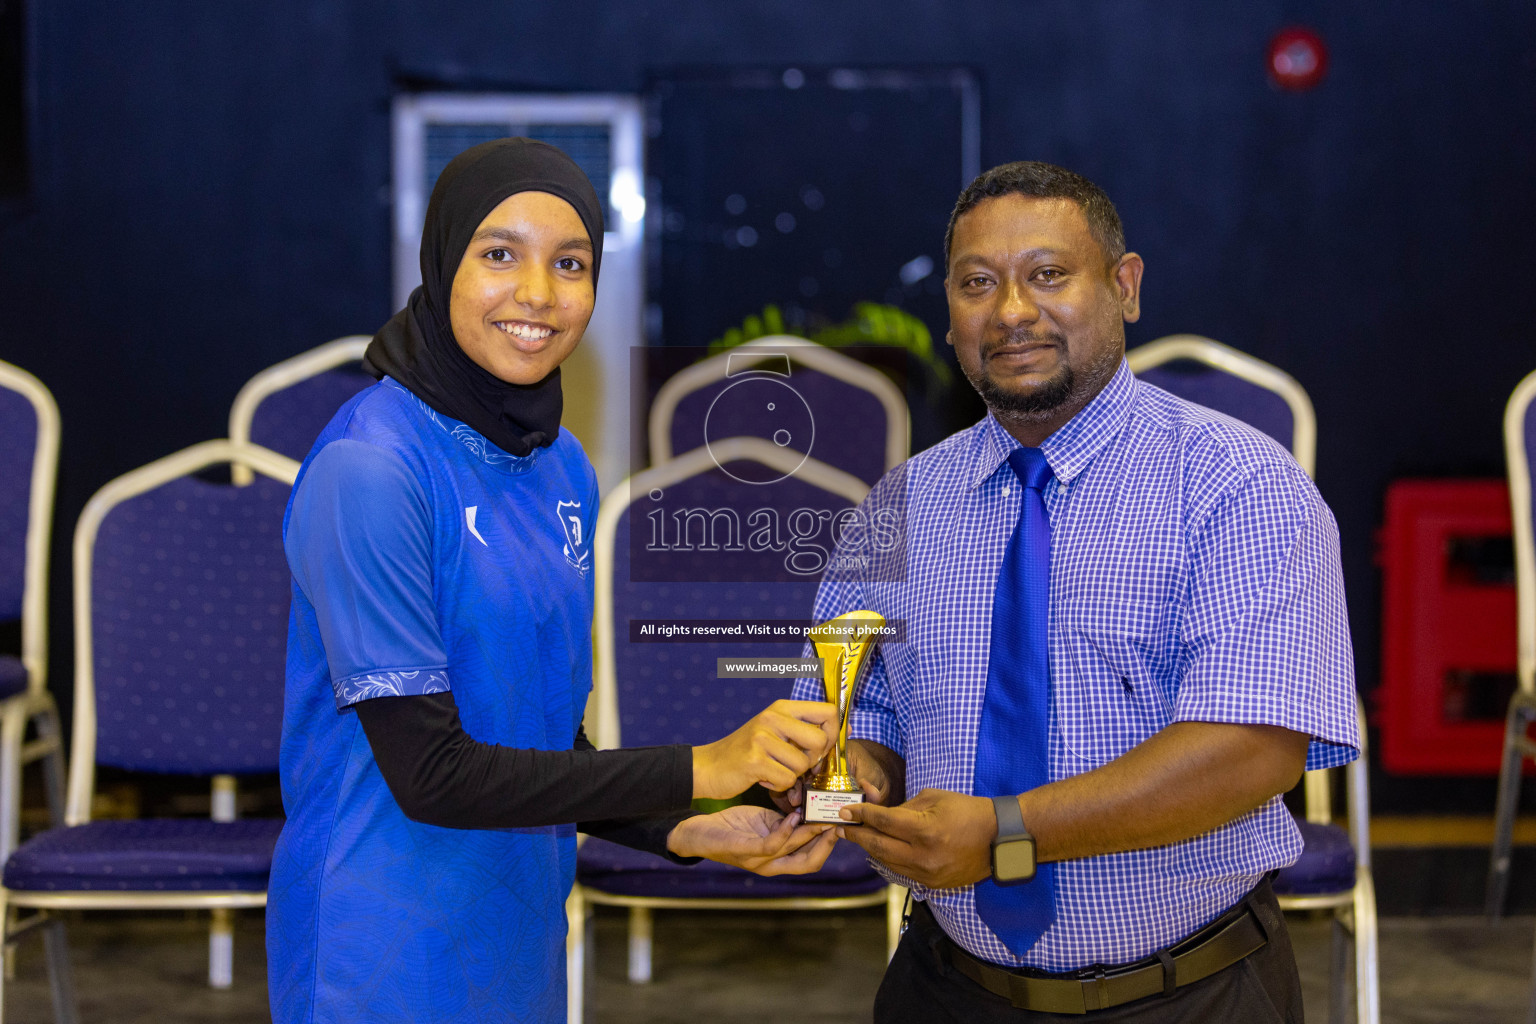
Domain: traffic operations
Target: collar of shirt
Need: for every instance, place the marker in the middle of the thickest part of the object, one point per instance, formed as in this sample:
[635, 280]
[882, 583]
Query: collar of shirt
[1069, 450]
[472, 439]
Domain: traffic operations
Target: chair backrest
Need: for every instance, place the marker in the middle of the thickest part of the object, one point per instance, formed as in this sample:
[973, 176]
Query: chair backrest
[285, 406]
[29, 463]
[1220, 377]
[1520, 452]
[1264, 396]
[794, 392]
[181, 620]
[674, 543]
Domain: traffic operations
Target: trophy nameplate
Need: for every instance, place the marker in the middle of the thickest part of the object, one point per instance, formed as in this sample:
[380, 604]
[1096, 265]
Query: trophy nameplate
[843, 644]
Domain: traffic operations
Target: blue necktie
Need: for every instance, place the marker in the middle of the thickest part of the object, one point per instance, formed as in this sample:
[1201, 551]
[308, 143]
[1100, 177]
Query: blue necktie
[1011, 745]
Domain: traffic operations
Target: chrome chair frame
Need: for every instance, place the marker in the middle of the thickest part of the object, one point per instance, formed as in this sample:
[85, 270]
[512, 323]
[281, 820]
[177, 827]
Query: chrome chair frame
[1354, 911]
[603, 717]
[1200, 349]
[82, 774]
[36, 705]
[898, 431]
[277, 377]
[1518, 744]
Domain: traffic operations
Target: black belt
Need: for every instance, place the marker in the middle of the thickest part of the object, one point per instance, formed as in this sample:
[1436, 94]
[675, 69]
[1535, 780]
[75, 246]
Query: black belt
[1219, 945]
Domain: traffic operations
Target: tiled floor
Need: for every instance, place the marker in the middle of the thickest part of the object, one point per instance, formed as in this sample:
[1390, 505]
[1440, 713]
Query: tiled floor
[745, 967]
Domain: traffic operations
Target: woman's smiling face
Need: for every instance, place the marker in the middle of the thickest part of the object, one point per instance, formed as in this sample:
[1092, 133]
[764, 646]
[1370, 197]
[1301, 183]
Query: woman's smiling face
[523, 292]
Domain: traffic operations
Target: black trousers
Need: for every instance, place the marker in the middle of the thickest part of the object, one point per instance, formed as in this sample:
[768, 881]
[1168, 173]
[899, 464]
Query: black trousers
[1264, 988]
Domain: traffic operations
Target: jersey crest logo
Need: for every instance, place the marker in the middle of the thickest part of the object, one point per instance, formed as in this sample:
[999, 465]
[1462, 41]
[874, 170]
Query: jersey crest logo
[577, 550]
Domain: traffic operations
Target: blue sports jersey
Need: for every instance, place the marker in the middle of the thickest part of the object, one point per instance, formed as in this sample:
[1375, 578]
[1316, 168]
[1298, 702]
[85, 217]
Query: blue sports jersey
[425, 559]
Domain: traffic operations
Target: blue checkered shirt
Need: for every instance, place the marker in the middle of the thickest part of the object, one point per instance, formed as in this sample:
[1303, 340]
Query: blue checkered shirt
[1194, 577]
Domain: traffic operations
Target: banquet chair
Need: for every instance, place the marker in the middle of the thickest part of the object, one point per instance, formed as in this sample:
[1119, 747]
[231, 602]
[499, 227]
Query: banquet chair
[285, 406]
[657, 693]
[837, 409]
[1222, 378]
[29, 458]
[1519, 449]
[1334, 870]
[181, 611]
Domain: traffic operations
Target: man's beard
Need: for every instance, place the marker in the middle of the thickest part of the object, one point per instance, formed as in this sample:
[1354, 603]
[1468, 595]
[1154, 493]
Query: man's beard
[1046, 398]
[1040, 403]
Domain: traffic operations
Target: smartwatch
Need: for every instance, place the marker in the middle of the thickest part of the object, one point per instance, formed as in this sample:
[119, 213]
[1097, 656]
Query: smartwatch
[1013, 851]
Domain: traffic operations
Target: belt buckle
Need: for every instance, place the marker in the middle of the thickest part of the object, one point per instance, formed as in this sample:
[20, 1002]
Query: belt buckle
[1095, 984]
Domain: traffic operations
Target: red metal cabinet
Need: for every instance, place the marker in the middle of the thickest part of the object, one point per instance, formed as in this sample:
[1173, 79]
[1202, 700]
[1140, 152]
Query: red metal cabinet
[1448, 626]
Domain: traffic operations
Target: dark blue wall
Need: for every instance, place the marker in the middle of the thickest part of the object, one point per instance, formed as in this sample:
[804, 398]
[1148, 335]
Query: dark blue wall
[211, 191]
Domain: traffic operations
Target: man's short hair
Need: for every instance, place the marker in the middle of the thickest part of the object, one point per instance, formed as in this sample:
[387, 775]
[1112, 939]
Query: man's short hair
[1040, 180]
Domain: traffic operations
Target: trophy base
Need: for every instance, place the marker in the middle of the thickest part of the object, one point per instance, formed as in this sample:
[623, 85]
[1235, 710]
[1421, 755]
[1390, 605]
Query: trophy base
[821, 806]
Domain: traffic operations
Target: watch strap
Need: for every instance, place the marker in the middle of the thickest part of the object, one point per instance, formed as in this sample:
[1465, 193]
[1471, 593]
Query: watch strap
[1010, 820]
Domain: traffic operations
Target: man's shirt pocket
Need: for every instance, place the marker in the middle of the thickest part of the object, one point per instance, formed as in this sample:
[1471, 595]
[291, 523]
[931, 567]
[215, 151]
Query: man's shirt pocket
[1109, 695]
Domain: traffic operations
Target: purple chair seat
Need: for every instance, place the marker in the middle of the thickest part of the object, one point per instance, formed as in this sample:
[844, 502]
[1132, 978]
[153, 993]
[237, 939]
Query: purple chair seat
[169, 854]
[1326, 864]
[13, 676]
[621, 871]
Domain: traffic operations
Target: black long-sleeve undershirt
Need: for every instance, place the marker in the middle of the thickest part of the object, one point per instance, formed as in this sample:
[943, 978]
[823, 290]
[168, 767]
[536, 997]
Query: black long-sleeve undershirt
[440, 775]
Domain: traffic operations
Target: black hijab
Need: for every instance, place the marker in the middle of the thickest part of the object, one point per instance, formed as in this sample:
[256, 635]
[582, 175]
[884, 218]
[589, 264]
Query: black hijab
[417, 347]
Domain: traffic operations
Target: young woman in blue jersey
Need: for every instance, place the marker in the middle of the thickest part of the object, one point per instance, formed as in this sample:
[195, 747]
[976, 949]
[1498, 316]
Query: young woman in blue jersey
[433, 763]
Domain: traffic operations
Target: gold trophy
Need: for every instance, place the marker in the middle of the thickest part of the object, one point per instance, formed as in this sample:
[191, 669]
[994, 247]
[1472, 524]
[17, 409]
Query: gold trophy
[842, 644]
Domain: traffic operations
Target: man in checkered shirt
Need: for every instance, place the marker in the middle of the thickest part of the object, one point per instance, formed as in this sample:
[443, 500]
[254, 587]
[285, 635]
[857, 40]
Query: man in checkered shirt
[1199, 656]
